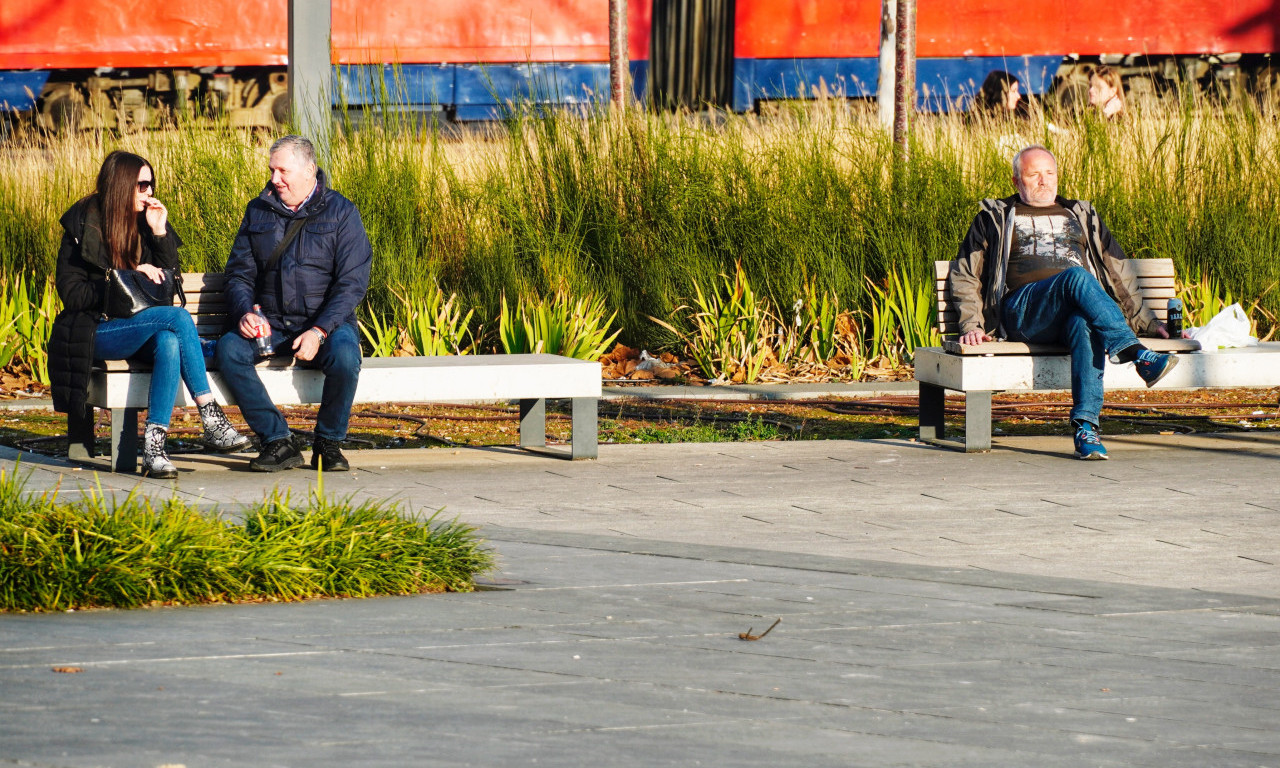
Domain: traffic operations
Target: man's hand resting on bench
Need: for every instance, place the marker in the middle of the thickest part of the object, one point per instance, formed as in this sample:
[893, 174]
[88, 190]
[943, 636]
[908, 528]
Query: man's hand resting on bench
[973, 338]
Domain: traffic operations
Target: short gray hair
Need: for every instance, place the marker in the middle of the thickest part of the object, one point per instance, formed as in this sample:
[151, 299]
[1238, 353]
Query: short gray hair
[1017, 159]
[300, 146]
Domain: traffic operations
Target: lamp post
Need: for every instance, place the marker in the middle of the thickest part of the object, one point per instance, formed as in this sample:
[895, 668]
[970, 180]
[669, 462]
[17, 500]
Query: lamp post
[310, 71]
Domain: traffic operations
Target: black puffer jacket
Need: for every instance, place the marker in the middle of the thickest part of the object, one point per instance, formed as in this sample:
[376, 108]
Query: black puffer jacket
[81, 279]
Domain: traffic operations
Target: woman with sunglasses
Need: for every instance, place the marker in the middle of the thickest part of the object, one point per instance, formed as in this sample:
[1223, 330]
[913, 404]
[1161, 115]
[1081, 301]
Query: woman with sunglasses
[122, 226]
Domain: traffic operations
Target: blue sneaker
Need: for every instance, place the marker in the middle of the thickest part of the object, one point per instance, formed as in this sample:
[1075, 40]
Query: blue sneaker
[1088, 445]
[1154, 366]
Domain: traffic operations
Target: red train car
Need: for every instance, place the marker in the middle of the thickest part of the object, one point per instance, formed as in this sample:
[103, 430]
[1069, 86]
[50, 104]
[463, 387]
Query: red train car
[126, 61]
[1052, 44]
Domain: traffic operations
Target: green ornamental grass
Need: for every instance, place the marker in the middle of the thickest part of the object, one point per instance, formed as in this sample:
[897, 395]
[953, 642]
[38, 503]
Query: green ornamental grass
[641, 208]
[126, 553]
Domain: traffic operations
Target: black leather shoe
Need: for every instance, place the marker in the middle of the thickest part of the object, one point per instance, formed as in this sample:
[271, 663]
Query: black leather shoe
[277, 455]
[325, 454]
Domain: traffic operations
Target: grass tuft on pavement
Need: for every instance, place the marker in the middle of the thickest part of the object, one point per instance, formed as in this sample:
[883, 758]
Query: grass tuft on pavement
[99, 551]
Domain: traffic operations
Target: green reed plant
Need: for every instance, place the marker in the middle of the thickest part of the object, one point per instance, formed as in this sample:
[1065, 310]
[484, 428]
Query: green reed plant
[437, 326]
[560, 325]
[14, 303]
[103, 551]
[35, 329]
[821, 312]
[731, 328]
[323, 546]
[382, 336]
[902, 315]
[1202, 299]
[637, 207]
[26, 324]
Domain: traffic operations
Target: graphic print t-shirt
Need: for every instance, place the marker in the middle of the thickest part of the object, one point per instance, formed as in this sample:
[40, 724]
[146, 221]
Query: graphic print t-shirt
[1046, 241]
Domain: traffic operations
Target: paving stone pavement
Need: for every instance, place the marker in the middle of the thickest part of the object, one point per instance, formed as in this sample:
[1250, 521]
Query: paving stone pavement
[938, 609]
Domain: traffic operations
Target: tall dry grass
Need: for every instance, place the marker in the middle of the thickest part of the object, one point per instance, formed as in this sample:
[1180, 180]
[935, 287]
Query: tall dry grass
[639, 208]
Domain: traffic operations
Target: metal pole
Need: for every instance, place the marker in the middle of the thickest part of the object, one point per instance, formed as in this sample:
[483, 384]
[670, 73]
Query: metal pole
[904, 76]
[310, 71]
[618, 55]
[885, 94]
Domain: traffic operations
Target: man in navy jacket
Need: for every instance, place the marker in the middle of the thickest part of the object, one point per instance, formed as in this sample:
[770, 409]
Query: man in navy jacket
[302, 254]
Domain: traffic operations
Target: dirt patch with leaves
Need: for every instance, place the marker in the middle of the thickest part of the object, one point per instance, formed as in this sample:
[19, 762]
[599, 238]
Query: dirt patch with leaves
[635, 420]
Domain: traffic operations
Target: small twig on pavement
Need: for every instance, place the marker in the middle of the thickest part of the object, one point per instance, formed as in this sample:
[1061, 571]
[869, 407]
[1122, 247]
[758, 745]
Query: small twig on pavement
[748, 636]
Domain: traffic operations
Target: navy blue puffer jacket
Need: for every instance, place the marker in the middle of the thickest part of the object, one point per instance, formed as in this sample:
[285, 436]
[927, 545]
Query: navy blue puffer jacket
[322, 275]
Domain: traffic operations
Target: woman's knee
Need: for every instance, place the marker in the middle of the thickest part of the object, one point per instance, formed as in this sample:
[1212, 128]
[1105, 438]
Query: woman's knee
[175, 318]
[165, 346]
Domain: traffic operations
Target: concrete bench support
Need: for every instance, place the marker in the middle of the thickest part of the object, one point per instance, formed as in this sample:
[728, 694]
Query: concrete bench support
[979, 376]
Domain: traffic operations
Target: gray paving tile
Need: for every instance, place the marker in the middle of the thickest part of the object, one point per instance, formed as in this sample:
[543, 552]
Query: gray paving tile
[938, 609]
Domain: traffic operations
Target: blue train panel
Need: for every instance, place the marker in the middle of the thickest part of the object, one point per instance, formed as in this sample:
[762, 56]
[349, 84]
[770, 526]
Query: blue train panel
[18, 90]
[940, 83]
[479, 91]
[402, 85]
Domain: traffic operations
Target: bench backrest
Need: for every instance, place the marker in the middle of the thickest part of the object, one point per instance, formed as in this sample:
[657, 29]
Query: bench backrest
[1155, 283]
[206, 301]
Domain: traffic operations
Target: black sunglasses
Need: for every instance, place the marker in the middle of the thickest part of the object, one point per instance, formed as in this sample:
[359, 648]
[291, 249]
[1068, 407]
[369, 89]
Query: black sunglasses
[150, 184]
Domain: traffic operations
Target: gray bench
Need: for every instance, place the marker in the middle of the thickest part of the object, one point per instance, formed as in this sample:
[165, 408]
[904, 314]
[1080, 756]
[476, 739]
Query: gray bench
[981, 370]
[530, 380]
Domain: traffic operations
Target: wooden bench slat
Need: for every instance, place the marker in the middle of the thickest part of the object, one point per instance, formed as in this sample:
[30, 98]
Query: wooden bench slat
[1160, 267]
[194, 282]
[1156, 281]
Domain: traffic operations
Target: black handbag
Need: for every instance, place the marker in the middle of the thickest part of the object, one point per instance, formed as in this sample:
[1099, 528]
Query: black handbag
[129, 292]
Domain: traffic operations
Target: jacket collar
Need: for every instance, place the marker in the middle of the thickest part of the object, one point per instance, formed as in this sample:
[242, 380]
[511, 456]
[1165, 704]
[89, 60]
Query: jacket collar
[1001, 206]
[313, 205]
[83, 222]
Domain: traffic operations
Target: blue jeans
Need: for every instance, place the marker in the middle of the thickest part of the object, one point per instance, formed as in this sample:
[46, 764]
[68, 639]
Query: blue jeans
[1072, 308]
[338, 358]
[165, 337]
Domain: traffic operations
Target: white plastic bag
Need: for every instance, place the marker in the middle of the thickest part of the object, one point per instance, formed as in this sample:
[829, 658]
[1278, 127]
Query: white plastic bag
[1228, 328]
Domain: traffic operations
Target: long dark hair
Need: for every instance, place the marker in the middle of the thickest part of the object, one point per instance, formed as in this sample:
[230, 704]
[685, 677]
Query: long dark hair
[992, 95]
[117, 183]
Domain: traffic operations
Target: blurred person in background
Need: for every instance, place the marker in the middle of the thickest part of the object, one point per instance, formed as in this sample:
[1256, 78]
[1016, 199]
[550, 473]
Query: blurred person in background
[1106, 93]
[1001, 95]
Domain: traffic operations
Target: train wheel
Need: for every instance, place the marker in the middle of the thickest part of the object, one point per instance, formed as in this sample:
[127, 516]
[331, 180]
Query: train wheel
[1071, 95]
[281, 109]
[64, 113]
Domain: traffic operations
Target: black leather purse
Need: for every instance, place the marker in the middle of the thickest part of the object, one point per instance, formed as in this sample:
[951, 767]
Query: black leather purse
[129, 292]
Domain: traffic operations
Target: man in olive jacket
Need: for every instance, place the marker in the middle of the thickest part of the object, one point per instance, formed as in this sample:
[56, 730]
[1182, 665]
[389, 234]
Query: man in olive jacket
[302, 254]
[1040, 268]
